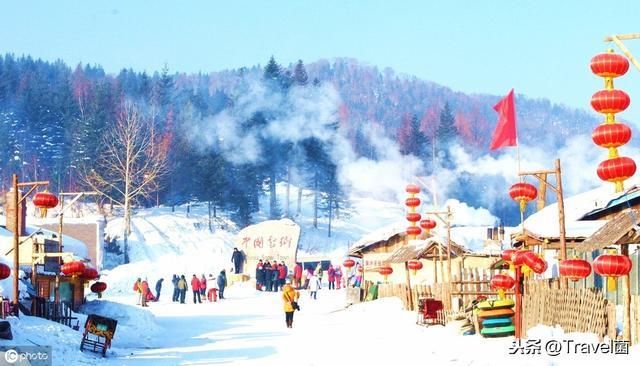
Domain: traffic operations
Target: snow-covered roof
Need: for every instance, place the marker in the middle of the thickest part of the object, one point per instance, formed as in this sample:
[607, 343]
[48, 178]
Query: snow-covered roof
[384, 233]
[75, 246]
[545, 223]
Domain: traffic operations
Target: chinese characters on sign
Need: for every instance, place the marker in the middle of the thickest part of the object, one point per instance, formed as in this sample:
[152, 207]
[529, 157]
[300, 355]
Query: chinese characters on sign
[275, 240]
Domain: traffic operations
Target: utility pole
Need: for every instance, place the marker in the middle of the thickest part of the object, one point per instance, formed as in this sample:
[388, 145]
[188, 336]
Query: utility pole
[17, 200]
[541, 175]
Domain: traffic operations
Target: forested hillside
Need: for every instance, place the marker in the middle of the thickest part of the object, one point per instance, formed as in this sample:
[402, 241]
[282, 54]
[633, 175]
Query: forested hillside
[233, 134]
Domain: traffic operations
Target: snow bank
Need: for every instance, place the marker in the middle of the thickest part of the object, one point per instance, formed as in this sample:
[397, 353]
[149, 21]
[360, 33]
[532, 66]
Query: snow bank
[137, 327]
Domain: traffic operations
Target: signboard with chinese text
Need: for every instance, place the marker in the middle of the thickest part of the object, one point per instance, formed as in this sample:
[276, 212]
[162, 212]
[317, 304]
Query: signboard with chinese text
[274, 240]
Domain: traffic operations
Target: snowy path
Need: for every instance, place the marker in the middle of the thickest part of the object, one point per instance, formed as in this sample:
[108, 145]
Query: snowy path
[248, 329]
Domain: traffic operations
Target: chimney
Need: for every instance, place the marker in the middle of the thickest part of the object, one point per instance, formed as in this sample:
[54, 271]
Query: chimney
[489, 233]
[501, 232]
[11, 212]
[495, 234]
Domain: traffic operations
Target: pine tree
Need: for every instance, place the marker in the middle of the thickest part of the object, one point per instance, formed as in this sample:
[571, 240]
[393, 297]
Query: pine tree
[446, 136]
[300, 76]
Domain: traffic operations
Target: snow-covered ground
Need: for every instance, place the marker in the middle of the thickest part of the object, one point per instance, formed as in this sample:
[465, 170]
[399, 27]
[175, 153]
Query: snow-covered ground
[248, 328]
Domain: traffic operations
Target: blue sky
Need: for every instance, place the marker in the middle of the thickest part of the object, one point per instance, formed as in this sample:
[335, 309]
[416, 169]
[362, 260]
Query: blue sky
[541, 48]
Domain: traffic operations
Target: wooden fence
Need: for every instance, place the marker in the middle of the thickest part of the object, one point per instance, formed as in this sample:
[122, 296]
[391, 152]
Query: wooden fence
[573, 309]
[58, 312]
[466, 286]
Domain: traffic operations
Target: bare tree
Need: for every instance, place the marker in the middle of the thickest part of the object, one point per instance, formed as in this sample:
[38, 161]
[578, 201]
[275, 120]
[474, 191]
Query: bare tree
[130, 165]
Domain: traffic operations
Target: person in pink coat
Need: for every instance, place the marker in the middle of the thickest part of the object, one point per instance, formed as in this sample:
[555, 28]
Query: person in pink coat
[331, 277]
[338, 273]
[203, 287]
[297, 276]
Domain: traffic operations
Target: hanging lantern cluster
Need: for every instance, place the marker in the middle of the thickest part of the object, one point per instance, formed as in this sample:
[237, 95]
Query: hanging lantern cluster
[575, 269]
[45, 200]
[98, 288]
[412, 216]
[611, 134]
[5, 271]
[523, 193]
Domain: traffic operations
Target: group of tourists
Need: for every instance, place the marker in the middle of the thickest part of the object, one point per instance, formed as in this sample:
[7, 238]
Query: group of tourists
[204, 288]
[271, 277]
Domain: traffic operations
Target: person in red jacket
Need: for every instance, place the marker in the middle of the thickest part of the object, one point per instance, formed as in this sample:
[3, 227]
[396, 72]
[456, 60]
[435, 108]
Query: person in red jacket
[282, 274]
[297, 276]
[195, 286]
[144, 289]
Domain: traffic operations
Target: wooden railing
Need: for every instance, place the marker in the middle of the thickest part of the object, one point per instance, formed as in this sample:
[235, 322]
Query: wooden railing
[59, 312]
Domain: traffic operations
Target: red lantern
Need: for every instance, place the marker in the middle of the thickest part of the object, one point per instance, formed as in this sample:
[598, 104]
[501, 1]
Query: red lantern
[98, 287]
[507, 254]
[612, 265]
[616, 169]
[412, 189]
[502, 282]
[517, 258]
[5, 271]
[575, 269]
[45, 200]
[610, 101]
[412, 202]
[428, 224]
[385, 271]
[609, 65]
[413, 230]
[413, 217]
[611, 135]
[348, 263]
[74, 268]
[89, 273]
[414, 265]
[523, 193]
[537, 264]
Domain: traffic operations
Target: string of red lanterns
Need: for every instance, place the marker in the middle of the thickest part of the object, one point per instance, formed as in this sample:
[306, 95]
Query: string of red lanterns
[611, 134]
[412, 216]
[75, 268]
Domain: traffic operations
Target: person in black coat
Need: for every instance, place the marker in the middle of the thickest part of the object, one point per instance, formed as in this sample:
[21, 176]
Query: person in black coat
[266, 269]
[176, 291]
[222, 283]
[259, 275]
[237, 258]
[158, 288]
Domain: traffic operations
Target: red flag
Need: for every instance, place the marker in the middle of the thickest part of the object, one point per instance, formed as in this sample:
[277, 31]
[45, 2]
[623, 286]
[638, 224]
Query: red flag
[505, 133]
